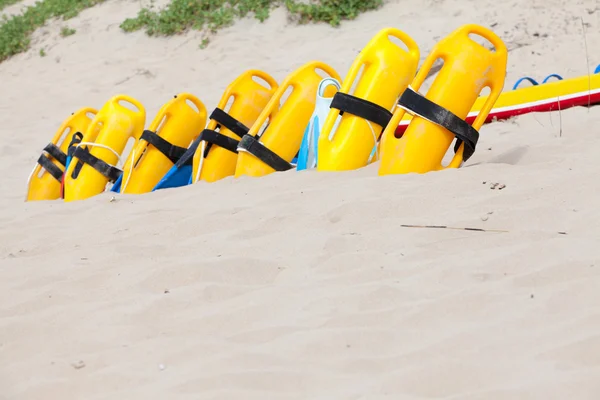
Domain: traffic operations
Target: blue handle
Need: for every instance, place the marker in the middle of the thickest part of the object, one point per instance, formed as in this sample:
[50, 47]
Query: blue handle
[534, 82]
[526, 78]
[552, 76]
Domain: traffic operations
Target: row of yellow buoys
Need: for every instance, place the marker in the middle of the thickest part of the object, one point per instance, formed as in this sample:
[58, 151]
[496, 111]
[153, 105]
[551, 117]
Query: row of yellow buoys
[261, 132]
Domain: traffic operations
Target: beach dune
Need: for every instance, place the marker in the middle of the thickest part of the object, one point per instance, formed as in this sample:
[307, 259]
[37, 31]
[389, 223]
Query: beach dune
[304, 285]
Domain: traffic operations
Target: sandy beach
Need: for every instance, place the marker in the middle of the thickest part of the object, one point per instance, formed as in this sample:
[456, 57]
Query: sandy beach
[304, 285]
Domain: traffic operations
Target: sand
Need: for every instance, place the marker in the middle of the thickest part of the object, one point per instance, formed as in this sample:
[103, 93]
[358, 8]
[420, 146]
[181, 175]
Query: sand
[304, 285]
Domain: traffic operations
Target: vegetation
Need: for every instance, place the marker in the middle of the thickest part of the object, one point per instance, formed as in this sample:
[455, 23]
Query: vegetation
[6, 3]
[15, 31]
[177, 17]
[66, 31]
[212, 15]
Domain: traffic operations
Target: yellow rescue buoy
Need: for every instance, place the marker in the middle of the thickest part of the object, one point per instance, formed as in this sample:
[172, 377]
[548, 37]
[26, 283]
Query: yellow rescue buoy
[216, 155]
[261, 153]
[439, 116]
[93, 163]
[363, 115]
[45, 181]
[175, 126]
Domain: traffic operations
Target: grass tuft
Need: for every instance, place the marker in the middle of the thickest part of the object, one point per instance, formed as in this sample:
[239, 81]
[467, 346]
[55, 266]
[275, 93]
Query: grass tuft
[177, 17]
[181, 15]
[211, 15]
[15, 31]
[6, 3]
[66, 31]
[330, 11]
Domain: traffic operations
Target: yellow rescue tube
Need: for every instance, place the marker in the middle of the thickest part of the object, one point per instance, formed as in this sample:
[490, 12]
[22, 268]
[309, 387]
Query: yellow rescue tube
[388, 69]
[176, 125]
[438, 117]
[93, 163]
[45, 181]
[273, 149]
[216, 156]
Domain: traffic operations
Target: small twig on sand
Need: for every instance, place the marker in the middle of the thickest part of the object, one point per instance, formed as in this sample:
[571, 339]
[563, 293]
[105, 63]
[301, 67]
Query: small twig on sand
[450, 227]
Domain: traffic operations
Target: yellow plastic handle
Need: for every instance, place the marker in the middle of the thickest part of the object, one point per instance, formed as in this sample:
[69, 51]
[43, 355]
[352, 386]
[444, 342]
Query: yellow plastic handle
[436, 53]
[499, 46]
[264, 76]
[89, 112]
[291, 80]
[495, 80]
[330, 71]
[409, 42]
[130, 100]
[375, 45]
[200, 109]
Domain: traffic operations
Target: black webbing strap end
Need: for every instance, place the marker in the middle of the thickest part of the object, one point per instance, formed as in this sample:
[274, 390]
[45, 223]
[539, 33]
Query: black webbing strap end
[361, 108]
[110, 172]
[419, 105]
[229, 122]
[75, 139]
[172, 152]
[258, 150]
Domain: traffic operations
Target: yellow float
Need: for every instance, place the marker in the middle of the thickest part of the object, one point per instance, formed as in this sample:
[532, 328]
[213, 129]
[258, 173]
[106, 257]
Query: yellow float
[216, 155]
[93, 163]
[261, 153]
[439, 116]
[165, 141]
[363, 115]
[45, 181]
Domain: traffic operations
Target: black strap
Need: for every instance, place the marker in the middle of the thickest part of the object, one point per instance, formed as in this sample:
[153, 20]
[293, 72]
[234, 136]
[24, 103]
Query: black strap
[214, 137]
[50, 167]
[258, 150]
[75, 139]
[361, 108]
[211, 137]
[229, 122]
[188, 157]
[47, 163]
[56, 153]
[172, 152]
[110, 172]
[425, 108]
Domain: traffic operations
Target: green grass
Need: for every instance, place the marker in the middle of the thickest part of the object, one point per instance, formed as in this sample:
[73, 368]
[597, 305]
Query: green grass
[15, 31]
[66, 31]
[6, 3]
[177, 17]
[211, 15]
